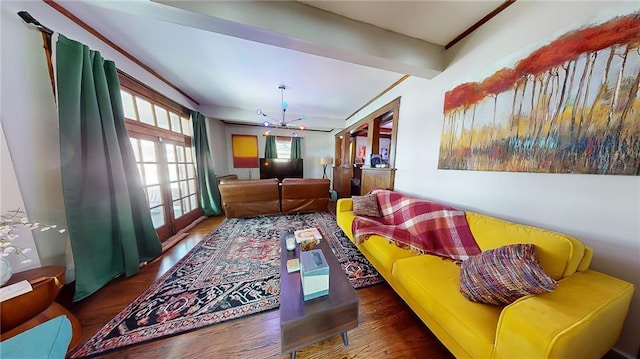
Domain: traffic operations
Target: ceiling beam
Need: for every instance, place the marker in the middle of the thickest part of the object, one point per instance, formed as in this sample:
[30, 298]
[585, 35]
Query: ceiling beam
[304, 28]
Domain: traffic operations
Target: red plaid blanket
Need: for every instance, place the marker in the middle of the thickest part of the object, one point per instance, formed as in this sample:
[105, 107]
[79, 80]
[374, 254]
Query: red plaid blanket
[420, 225]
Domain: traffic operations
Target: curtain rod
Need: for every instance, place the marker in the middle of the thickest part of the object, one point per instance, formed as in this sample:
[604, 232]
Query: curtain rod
[26, 17]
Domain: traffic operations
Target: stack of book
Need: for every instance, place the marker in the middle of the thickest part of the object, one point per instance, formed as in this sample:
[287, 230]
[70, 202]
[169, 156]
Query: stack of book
[306, 234]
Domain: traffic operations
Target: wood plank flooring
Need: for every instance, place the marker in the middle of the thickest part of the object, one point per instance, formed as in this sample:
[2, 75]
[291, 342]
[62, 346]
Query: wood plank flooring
[388, 328]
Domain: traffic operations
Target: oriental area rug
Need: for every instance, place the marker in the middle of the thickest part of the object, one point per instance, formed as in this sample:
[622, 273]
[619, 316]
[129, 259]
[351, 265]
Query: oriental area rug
[233, 272]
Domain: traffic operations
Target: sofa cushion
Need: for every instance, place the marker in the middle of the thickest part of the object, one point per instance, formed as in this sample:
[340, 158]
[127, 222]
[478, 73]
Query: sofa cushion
[432, 282]
[500, 276]
[382, 253]
[560, 255]
[366, 205]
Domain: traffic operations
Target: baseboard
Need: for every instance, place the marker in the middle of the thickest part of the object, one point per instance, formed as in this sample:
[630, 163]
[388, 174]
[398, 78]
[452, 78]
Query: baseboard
[176, 238]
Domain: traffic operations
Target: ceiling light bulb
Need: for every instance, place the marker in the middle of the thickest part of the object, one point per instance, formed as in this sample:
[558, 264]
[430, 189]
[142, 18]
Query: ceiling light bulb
[266, 123]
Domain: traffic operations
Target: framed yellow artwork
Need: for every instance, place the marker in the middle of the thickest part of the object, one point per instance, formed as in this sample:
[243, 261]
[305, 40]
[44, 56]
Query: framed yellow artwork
[245, 151]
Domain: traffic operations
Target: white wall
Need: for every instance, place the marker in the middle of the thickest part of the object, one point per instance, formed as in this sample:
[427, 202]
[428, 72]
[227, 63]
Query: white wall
[314, 146]
[603, 211]
[10, 200]
[218, 146]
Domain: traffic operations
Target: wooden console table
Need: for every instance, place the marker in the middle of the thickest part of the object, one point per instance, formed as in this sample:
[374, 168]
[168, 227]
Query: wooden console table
[38, 306]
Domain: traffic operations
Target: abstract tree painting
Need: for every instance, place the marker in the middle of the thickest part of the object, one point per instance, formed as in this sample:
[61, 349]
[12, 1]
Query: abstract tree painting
[571, 106]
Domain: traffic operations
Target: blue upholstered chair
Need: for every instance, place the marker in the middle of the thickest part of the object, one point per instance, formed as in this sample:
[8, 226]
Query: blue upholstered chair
[48, 340]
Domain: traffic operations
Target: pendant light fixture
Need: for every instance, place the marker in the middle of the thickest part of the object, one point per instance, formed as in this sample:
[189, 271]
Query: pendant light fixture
[283, 122]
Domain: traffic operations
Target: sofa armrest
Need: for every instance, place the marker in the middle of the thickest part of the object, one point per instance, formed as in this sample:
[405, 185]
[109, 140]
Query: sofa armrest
[344, 205]
[345, 216]
[581, 318]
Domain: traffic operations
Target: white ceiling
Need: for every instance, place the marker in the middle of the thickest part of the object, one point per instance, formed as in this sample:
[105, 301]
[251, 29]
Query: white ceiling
[231, 57]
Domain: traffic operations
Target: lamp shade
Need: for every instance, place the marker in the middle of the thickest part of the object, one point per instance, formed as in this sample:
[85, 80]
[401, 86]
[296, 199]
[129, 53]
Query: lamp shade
[326, 160]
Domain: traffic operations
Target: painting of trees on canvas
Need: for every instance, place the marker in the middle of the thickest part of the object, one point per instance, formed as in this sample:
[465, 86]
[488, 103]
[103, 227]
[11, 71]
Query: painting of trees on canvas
[571, 106]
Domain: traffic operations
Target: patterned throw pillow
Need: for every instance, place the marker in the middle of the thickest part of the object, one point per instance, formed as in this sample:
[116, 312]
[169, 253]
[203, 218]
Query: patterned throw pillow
[366, 205]
[502, 275]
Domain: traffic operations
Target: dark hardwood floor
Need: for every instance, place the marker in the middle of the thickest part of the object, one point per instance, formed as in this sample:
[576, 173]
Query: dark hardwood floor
[388, 328]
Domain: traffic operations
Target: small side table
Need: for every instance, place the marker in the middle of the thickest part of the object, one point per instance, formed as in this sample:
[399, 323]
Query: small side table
[38, 306]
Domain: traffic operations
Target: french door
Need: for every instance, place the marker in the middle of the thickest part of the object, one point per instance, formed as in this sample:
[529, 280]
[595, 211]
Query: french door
[168, 177]
[160, 137]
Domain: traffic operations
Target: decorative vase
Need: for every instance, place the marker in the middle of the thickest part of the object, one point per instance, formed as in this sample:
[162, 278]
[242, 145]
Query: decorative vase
[5, 271]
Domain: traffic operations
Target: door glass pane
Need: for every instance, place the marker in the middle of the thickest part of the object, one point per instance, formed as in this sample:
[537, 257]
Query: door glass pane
[192, 186]
[194, 202]
[191, 172]
[184, 189]
[140, 171]
[173, 172]
[180, 152]
[155, 196]
[127, 104]
[177, 209]
[188, 154]
[162, 117]
[145, 111]
[175, 122]
[175, 190]
[157, 216]
[148, 151]
[150, 173]
[185, 205]
[182, 172]
[171, 154]
[136, 150]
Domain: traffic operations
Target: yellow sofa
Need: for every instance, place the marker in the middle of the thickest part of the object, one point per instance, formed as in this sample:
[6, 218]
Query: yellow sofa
[581, 318]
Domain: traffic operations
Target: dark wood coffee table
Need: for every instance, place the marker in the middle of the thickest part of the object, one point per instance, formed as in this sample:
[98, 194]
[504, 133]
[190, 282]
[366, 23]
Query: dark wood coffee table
[304, 323]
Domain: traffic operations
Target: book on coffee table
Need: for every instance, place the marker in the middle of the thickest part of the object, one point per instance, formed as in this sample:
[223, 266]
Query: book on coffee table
[293, 265]
[309, 233]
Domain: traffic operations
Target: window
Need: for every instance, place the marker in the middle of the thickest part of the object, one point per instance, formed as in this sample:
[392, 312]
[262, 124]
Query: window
[160, 133]
[283, 146]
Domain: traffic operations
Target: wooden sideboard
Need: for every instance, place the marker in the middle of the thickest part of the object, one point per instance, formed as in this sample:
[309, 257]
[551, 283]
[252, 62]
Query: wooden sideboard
[377, 178]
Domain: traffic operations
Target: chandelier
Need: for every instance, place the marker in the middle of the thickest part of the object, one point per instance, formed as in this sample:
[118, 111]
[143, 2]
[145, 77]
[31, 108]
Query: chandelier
[283, 122]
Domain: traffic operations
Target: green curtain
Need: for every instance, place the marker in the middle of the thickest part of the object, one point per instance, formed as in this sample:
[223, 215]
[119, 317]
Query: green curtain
[108, 217]
[207, 182]
[270, 150]
[296, 147]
